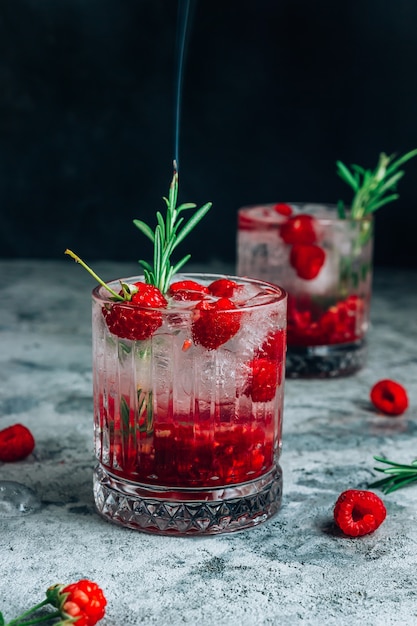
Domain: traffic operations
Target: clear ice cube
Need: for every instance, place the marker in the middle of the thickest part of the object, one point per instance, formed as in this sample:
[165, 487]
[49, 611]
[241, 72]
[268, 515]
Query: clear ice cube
[17, 499]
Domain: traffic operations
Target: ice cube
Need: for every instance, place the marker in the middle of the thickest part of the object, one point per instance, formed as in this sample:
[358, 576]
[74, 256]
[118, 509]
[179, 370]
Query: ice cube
[219, 376]
[254, 329]
[17, 499]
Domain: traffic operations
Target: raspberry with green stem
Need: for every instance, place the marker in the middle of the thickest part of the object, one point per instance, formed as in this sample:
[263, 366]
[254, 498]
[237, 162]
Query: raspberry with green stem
[81, 603]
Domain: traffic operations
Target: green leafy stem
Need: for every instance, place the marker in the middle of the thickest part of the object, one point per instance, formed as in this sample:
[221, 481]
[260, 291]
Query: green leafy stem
[144, 416]
[372, 186]
[398, 476]
[372, 190]
[168, 234]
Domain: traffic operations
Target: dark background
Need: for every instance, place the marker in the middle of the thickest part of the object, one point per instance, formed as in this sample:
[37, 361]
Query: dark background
[274, 93]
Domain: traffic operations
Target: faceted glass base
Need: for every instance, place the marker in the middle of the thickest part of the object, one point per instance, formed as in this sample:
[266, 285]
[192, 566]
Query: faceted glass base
[163, 511]
[326, 361]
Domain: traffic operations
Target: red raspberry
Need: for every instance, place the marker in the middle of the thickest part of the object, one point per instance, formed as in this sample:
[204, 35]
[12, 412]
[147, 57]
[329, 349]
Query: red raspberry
[132, 322]
[389, 397]
[212, 327]
[274, 346]
[82, 601]
[187, 290]
[16, 443]
[307, 260]
[358, 513]
[223, 288]
[342, 322]
[265, 377]
[283, 209]
[299, 229]
[246, 222]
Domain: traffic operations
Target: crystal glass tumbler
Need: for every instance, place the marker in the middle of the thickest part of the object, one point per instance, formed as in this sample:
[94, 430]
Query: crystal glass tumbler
[325, 264]
[187, 421]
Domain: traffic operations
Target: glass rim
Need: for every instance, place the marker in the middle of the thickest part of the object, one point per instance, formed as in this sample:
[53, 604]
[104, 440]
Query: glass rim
[299, 205]
[99, 293]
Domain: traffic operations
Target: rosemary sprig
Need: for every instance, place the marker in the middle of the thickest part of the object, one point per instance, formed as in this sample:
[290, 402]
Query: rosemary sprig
[126, 290]
[399, 475]
[372, 186]
[168, 234]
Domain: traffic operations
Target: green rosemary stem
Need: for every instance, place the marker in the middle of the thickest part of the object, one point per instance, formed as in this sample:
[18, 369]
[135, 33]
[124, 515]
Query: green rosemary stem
[93, 274]
[398, 475]
[372, 186]
[169, 232]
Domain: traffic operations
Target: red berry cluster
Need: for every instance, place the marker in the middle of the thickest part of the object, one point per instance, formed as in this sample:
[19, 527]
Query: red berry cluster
[308, 325]
[214, 320]
[83, 602]
[306, 257]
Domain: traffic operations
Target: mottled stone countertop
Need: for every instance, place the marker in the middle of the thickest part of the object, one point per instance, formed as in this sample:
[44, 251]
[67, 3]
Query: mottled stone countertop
[296, 568]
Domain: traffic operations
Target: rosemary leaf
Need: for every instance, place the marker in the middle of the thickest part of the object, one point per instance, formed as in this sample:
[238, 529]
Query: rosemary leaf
[341, 210]
[358, 169]
[161, 224]
[346, 175]
[145, 229]
[391, 182]
[181, 263]
[185, 206]
[373, 206]
[146, 265]
[192, 222]
[406, 157]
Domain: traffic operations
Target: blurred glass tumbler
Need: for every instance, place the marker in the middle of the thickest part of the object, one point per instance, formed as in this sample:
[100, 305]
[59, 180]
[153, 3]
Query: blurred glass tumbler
[188, 437]
[325, 265]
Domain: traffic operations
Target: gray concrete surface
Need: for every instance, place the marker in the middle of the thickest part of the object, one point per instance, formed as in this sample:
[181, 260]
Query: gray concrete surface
[294, 569]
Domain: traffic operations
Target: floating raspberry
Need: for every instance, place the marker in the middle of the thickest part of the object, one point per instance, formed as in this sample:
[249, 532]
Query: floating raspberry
[223, 288]
[16, 443]
[132, 322]
[299, 229]
[245, 222]
[359, 513]
[283, 209]
[214, 323]
[274, 345]
[187, 290]
[389, 397]
[265, 377]
[307, 260]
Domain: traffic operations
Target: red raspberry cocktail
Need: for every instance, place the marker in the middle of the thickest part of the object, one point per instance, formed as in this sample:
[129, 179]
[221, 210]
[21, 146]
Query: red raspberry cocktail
[188, 397]
[325, 264]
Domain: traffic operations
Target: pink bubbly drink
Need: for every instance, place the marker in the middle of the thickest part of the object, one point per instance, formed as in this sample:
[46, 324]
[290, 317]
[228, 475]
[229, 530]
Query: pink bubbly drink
[188, 399]
[325, 265]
